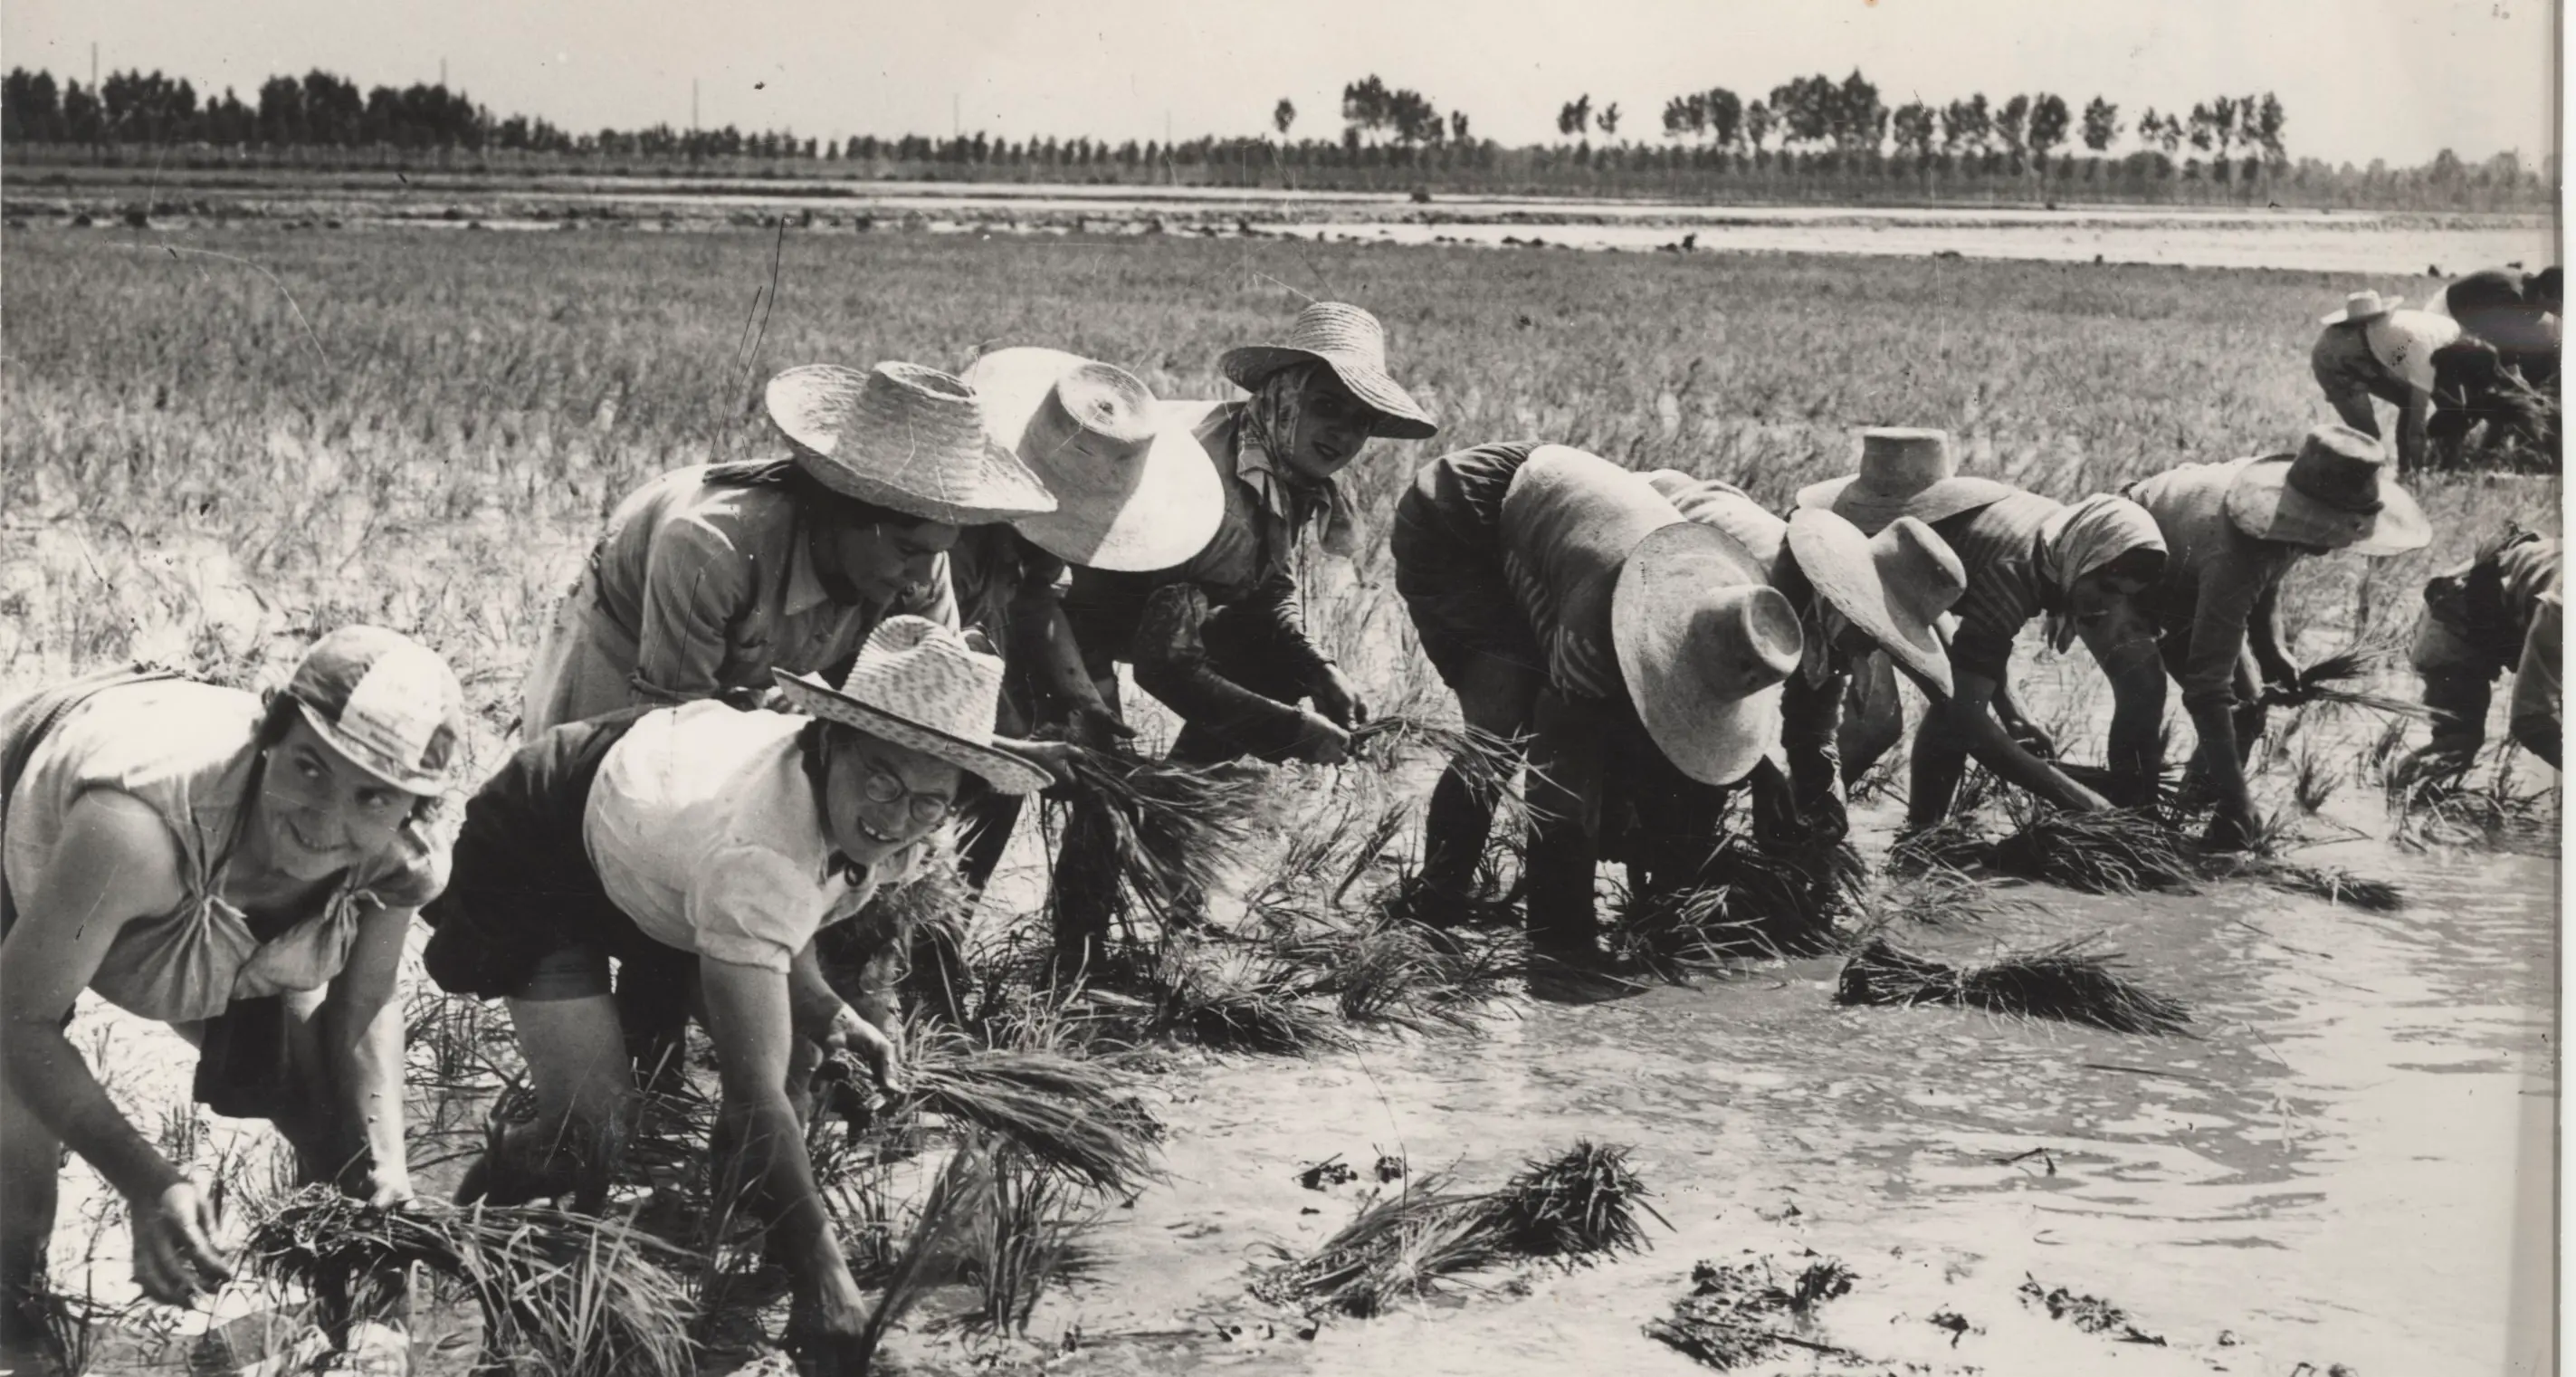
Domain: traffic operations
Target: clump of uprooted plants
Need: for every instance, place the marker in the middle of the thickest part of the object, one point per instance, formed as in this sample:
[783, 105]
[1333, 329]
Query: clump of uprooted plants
[1743, 1314]
[572, 1293]
[2125, 851]
[1741, 901]
[2074, 981]
[1573, 1209]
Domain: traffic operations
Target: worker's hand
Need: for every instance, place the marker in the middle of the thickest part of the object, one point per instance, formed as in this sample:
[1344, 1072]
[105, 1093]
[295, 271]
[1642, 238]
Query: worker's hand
[1339, 699]
[2034, 738]
[870, 1044]
[176, 1255]
[1054, 757]
[1097, 726]
[1321, 741]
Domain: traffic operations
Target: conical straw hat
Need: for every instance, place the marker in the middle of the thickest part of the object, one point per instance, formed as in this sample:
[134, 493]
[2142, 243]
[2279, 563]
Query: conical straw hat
[905, 437]
[1704, 642]
[1904, 471]
[1352, 343]
[1132, 493]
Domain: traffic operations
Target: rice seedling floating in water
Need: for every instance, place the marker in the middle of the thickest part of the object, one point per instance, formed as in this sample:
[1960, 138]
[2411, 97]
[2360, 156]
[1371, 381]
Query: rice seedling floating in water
[2120, 851]
[1576, 1206]
[1073, 1116]
[571, 1293]
[2330, 883]
[1733, 1316]
[1570, 1209]
[2067, 981]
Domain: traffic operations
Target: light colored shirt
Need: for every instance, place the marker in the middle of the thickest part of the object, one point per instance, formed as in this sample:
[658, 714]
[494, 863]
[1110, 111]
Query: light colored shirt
[184, 750]
[704, 828]
[694, 590]
[2383, 356]
[1569, 520]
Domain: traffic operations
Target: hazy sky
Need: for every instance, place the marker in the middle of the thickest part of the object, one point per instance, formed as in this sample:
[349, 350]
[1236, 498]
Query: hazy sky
[2397, 79]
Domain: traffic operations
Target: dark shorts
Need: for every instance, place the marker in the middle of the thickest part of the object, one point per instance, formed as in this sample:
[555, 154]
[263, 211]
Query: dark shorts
[1453, 586]
[524, 915]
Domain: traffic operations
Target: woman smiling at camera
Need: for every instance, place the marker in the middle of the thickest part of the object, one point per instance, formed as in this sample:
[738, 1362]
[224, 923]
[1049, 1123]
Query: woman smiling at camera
[244, 871]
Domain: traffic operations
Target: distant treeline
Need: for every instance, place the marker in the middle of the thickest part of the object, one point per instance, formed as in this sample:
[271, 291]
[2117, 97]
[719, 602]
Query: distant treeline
[1813, 139]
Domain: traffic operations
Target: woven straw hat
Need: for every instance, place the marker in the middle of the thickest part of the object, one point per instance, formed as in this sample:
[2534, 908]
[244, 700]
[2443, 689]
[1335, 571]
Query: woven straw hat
[386, 702]
[2362, 306]
[1704, 642]
[919, 684]
[1353, 344]
[903, 436]
[2332, 494]
[1132, 493]
[1903, 472]
[1894, 586]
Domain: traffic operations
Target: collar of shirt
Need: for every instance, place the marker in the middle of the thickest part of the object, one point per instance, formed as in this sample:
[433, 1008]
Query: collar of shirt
[1282, 497]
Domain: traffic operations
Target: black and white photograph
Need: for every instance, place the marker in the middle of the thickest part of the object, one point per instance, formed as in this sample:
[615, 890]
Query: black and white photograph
[804, 689]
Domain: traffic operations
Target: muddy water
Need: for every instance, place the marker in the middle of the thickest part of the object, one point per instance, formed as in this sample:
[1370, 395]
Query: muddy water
[2349, 1164]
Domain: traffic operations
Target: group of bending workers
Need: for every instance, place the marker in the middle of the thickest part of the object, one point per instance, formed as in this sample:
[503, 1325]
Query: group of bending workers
[2479, 353]
[776, 683]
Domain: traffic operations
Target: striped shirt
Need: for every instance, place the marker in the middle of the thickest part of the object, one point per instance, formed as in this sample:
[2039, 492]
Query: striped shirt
[1998, 549]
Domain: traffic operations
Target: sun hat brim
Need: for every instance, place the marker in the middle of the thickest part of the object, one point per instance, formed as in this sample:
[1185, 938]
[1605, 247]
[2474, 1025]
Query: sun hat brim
[425, 783]
[1835, 558]
[1149, 513]
[1872, 512]
[2262, 504]
[1007, 773]
[1651, 610]
[1399, 416]
[979, 482]
[2386, 306]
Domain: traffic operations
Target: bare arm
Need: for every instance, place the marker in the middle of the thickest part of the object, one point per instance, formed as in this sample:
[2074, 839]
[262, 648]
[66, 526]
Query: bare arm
[362, 1029]
[2124, 645]
[1969, 715]
[2263, 636]
[116, 863]
[749, 1019]
[2411, 418]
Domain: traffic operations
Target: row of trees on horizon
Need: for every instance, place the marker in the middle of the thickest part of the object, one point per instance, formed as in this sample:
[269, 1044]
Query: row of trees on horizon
[1808, 124]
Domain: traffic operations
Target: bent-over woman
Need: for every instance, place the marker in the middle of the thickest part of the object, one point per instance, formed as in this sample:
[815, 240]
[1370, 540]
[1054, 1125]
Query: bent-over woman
[243, 869]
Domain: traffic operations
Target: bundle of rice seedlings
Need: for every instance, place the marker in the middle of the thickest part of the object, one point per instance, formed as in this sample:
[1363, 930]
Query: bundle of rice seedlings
[1570, 1209]
[1391, 972]
[2121, 851]
[2066, 981]
[1575, 1206]
[1399, 1245]
[1166, 830]
[2334, 679]
[1741, 900]
[575, 1294]
[1074, 1116]
[1250, 1010]
[2330, 883]
[1489, 765]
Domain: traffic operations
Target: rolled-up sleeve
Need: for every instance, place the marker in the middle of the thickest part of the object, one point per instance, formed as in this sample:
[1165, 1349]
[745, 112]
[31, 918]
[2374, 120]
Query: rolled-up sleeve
[696, 583]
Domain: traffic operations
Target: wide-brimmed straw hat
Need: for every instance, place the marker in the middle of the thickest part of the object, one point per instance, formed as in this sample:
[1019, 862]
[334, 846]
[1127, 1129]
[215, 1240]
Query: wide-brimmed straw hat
[906, 437]
[919, 684]
[2362, 306]
[1353, 344]
[1704, 642]
[1131, 493]
[1903, 472]
[2333, 494]
[1894, 585]
[387, 703]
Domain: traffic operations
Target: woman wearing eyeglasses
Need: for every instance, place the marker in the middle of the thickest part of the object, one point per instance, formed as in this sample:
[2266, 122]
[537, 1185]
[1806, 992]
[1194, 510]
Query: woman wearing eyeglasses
[708, 846]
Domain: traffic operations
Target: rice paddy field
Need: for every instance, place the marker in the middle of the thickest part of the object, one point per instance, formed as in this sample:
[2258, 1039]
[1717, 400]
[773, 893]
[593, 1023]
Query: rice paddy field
[220, 442]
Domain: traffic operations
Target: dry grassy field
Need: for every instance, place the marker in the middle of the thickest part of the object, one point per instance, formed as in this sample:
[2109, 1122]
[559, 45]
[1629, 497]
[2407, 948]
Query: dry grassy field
[217, 444]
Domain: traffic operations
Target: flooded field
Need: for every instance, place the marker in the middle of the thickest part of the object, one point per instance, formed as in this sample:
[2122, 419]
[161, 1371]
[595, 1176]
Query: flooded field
[2345, 242]
[2348, 1163]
